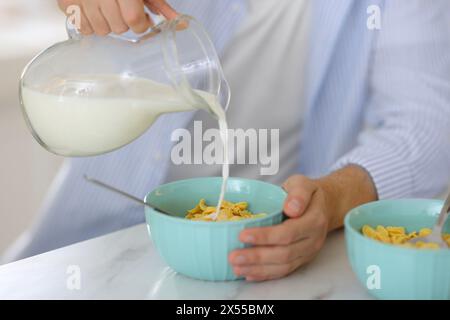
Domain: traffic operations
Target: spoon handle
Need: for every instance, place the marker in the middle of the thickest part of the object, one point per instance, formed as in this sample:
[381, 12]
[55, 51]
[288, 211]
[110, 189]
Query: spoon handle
[123, 193]
[444, 212]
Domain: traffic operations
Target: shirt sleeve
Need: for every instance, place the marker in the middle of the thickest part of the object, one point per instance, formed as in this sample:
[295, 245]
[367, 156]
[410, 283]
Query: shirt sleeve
[406, 144]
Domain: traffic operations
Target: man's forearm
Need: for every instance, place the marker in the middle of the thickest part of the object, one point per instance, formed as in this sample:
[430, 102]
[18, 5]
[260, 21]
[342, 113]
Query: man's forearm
[345, 189]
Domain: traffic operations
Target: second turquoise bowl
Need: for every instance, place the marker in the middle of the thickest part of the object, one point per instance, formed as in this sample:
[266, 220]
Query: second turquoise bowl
[200, 249]
[392, 272]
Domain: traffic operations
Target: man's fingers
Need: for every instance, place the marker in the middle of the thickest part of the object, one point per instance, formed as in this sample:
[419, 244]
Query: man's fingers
[118, 16]
[271, 254]
[85, 27]
[300, 191]
[112, 14]
[162, 7]
[96, 19]
[290, 231]
[268, 272]
[134, 15]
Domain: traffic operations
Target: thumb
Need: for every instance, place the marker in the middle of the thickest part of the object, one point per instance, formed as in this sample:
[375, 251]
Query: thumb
[298, 198]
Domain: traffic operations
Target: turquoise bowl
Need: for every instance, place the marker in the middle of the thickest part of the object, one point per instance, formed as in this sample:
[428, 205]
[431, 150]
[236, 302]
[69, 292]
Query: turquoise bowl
[403, 273]
[200, 249]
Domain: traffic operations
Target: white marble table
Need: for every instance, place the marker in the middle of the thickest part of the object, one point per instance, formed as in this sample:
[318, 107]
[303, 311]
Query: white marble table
[125, 265]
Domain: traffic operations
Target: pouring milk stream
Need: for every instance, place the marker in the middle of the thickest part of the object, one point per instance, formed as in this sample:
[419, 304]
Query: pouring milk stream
[85, 113]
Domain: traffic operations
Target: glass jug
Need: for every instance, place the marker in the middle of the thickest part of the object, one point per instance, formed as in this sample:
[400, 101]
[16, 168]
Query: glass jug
[90, 95]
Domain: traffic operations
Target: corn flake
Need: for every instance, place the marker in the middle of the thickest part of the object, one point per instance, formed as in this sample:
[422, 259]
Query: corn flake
[399, 236]
[229, 211]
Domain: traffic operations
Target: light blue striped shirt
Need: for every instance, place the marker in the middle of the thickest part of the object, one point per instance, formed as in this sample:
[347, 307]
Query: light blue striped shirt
[376, 98]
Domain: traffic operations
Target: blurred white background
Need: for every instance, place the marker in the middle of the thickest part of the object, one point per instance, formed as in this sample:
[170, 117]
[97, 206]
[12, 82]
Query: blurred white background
[26, 170]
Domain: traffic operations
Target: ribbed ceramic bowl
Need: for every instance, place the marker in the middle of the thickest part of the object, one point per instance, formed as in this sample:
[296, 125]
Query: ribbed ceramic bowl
[200, 249]
[403, 273]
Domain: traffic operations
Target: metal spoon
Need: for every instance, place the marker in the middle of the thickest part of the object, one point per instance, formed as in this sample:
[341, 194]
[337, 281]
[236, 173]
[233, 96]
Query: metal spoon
[123, 193]
[436, 234]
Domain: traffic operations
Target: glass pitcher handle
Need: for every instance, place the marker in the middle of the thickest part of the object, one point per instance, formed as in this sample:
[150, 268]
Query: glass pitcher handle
[71, 28]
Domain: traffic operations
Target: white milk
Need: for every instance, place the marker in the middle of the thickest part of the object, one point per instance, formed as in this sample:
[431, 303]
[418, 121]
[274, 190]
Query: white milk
[116, 112]
[96, 114]
[223, 127]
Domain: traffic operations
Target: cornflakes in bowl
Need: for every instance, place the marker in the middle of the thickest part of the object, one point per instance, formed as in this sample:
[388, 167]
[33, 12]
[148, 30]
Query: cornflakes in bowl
[197, 247]
[229, 211]
[386, 266]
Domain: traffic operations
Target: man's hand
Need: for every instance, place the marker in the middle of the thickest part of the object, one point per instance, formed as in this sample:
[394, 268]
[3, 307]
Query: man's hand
[105, 16]
[313, 207]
